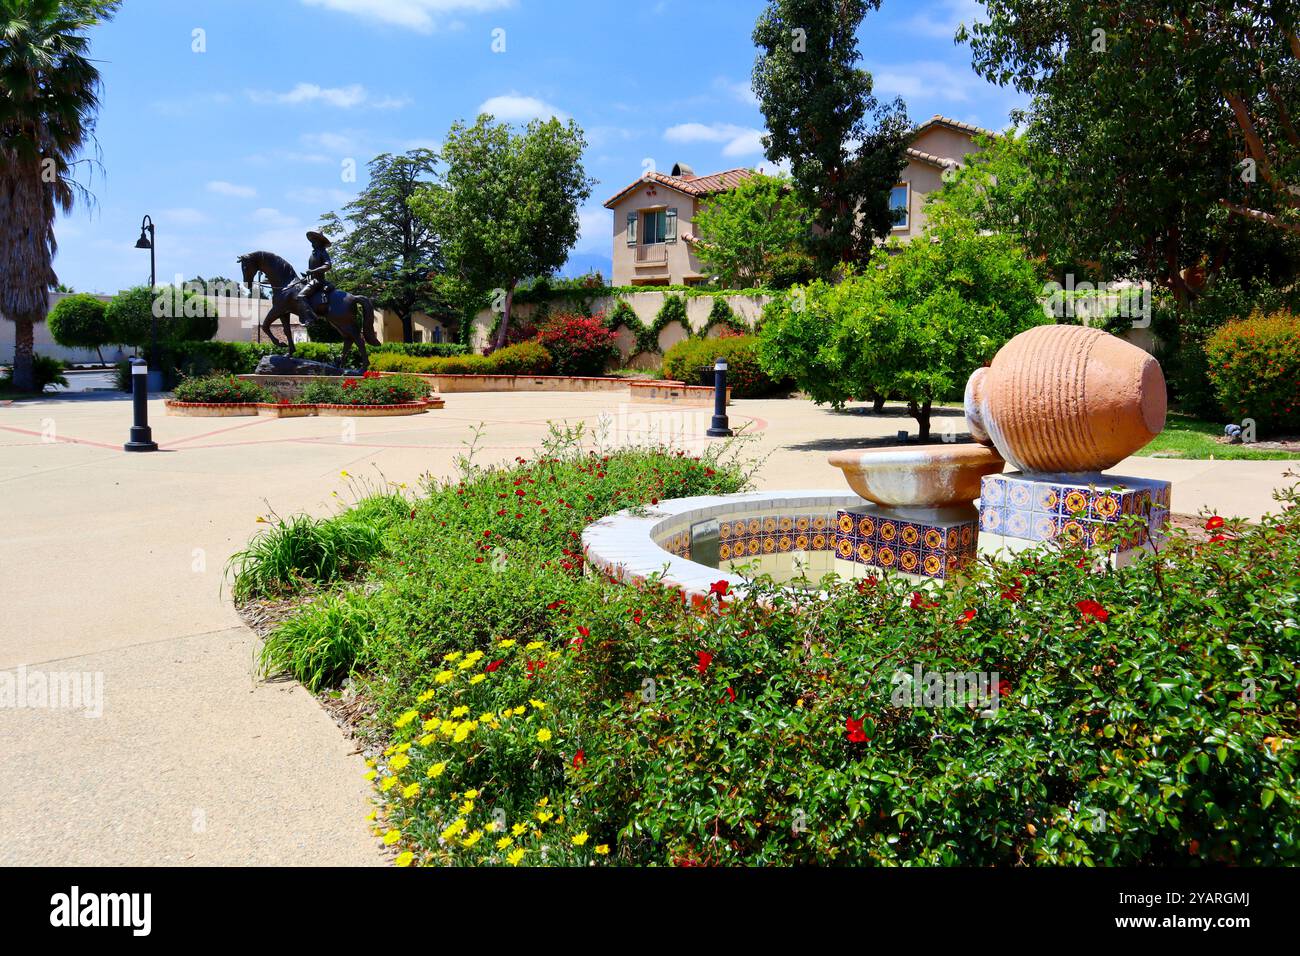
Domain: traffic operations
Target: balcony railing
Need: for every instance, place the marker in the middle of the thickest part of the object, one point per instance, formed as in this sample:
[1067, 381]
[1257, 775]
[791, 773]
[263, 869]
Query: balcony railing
[652, 253]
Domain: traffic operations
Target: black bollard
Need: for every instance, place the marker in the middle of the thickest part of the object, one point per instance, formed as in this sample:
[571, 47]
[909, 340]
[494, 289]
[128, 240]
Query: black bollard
[141, 434]
[720, 428]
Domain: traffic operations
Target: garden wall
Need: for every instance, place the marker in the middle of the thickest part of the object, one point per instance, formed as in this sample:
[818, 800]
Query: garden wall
[646, 305]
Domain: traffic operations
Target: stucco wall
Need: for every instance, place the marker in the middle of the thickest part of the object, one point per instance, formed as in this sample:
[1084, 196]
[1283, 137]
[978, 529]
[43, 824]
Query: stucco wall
[682, 264]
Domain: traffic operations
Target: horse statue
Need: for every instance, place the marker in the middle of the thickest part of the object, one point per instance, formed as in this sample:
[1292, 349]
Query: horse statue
[339, 308]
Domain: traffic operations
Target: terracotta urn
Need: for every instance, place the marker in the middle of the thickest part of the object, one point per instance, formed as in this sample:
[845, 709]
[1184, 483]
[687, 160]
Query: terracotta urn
[1066, 398]
[931, 476]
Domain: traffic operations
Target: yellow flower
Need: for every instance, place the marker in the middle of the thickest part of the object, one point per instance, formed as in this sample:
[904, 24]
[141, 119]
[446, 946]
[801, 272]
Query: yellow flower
[371, 762]
[515, 856]
[478, 678]
[603, 849]
[486, 716]
[472, 838]
[372, 815]
[475, 657]
[467, 807]
[430, 724]
[406, 718]
[426, 740]
[448, 727]
[387, 784]
[371, 774]
[463, 730]
[465, 665]
[471, 794]
[436, 770]
[456, 827]
[451, 656]
[425, 697]
[411, 791]
[519, 828]
[504, 842]
[460, 712]
[580, 839]
[544, 801]
[404, 859]
[443, 676]
[519, 710]
[543, 735]
[544, 815]
[508, 643]
[344, 474]
[540, 705]
[403, 748]
[533, 645]
[399, 762]
[392, 836]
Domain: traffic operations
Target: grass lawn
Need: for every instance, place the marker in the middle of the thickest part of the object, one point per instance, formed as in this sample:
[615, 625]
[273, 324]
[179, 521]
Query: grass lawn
[1187, 437]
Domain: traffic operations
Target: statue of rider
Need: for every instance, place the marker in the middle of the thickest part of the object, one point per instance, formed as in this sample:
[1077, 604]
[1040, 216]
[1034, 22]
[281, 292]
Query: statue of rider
[317, 266]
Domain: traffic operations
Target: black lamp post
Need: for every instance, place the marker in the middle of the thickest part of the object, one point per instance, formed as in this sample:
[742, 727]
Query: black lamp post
[720, 427]
[146, 241]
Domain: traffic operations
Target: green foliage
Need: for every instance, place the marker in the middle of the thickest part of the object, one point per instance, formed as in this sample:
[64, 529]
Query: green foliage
[220, 389]
[845, 148]
[45, 372]
[914, 329]
[673, 310]
[578, 344]
[1254, 366]
[322, 330]
[420, 349]
[78, 322]
[720, 314]
[1210, 88]
[371, 389]
[185, 315]
[1145, 715]
[130, 316]
[522, 358]
[507, 206]
[686, 360]
[749, 234]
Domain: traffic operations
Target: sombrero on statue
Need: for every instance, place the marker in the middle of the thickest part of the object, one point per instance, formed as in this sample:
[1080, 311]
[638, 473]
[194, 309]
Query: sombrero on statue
[317, 239]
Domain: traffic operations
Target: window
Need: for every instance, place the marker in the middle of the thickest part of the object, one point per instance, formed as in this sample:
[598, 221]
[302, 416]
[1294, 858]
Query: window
[898, 205]
[654, 226]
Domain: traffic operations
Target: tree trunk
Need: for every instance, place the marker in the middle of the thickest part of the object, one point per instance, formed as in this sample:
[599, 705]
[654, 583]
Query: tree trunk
[921, 412]
[877, 403]
[504, 328]
[24, 377]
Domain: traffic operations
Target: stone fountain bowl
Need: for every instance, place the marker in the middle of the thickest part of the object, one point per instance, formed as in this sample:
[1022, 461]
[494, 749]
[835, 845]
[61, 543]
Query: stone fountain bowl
[922, 476]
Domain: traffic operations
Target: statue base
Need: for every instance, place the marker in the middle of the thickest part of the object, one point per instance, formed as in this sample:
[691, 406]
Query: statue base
[1019, 511]
[919, 543]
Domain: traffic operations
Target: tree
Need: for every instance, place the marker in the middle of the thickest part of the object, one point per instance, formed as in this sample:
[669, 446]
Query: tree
[381, 247]
[1163, 133]
[49, 95]
[507, 206]
[750, 235]
[914, 329]
[78, 322]
[845, 148]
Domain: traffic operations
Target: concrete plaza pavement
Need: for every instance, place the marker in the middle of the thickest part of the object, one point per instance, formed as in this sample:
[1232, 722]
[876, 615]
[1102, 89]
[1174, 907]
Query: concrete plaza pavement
[113, 565]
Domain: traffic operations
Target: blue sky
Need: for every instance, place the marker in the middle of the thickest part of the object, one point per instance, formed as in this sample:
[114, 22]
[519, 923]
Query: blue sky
[242, 145]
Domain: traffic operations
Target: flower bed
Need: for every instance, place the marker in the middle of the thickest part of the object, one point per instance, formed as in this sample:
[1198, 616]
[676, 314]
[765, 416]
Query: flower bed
[529, 712]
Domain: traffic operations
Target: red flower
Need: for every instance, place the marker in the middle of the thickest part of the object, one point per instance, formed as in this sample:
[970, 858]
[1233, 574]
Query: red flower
[584, 631]
[533, 667]
[730, 698]
[1091, 610]
[918, 601]
[579, 758]
[866, 583]
[1012, 594]
[719, 588]
[966, 618]
[493, 666]
[1218, 538]
[705, 659]
[555, 604]
[1214, 524]
[856, 734]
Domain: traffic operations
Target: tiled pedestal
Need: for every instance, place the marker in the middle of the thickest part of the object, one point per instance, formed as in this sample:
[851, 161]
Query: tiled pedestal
[922, 543]
[1018, 511]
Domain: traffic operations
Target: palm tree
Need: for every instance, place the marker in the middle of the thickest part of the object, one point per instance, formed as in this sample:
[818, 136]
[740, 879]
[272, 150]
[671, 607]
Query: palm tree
[49, 94]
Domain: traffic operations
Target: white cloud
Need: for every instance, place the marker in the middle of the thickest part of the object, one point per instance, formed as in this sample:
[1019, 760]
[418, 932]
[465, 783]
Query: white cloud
[342, 97]
[421, 15]
[926, 78]
[942, 17]
[182, 217]
[741, 91]
[514, 108]
[342, 144]
[737, 140]
[223, 188]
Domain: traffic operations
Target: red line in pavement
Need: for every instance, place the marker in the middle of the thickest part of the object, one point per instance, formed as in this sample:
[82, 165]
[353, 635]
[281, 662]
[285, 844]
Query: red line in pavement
[216, 431]
[64, 441]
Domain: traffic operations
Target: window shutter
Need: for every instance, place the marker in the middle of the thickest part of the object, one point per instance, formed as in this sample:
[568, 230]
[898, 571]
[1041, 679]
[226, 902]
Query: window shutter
[631, 229]
[670, 225]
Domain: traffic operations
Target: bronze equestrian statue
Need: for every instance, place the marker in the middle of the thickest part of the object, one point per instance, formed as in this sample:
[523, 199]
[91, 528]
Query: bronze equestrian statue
[311, 296]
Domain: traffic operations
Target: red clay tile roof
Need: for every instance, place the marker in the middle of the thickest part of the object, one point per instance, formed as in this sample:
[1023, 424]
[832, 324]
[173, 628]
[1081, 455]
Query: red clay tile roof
[937, 120]
[943, 162]
[696, 186]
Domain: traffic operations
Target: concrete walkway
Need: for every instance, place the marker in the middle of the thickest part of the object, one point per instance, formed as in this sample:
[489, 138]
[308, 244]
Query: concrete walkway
[113, 566]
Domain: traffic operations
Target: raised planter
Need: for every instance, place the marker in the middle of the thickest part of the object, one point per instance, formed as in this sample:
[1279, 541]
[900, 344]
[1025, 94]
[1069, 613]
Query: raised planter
[211, 409]
[285, 410]
[519, 383]
[678, 393]
[377, 411]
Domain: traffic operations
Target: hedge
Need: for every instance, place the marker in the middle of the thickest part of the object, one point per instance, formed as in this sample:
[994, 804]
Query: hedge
[1254, 366]
[687, 359]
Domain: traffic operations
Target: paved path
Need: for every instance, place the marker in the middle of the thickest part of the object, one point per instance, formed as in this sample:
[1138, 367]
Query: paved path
[112, 568]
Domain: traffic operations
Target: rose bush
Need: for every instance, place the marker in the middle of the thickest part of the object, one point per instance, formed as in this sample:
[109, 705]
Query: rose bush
[578, 344]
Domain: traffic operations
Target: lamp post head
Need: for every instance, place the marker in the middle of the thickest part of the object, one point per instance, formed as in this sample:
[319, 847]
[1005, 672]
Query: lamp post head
[144, 241]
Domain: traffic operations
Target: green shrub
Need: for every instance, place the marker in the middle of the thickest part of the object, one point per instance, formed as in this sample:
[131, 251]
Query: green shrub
[686, 360]
[451, 365]
[220, 389]
[320, 330]
[523, 358]
[322, 643]
[421, 349]
[183, 316]
[130, 316]
[578, 344]
[371, 389]
[46, 372]
[1254, 366]
[78, 322]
